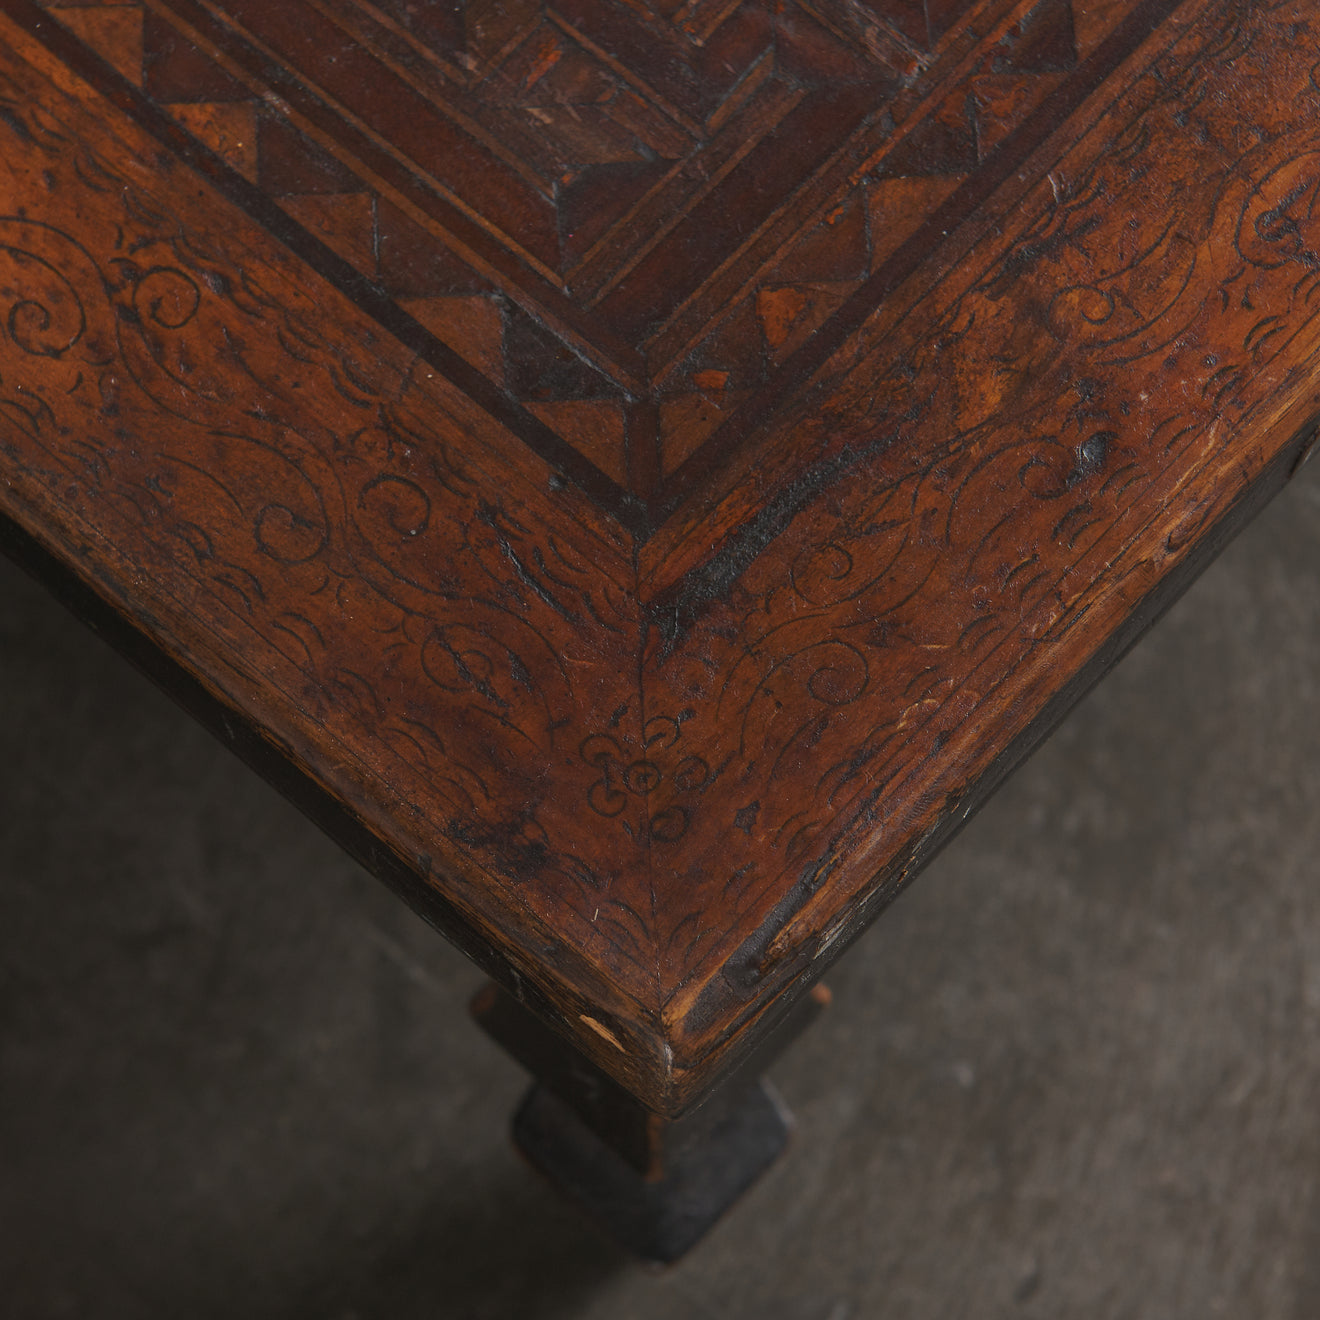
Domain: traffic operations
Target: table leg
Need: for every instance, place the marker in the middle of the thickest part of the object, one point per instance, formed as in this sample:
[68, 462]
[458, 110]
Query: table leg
[656, 1185]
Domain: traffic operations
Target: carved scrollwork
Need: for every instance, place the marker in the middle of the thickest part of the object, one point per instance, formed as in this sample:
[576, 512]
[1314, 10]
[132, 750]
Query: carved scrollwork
[1017, 451]
[276, 464]
[665, 769]
[54, 314]
[1277, 222]
[45, 280]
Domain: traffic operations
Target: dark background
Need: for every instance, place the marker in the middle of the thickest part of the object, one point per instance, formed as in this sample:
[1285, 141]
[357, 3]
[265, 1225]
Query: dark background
[1074, 1073]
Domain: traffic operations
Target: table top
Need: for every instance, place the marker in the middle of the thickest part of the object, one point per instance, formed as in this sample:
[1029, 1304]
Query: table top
[640, 473]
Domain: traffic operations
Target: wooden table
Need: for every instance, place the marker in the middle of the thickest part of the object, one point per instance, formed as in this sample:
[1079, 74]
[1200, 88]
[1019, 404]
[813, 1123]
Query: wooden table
[639, 475]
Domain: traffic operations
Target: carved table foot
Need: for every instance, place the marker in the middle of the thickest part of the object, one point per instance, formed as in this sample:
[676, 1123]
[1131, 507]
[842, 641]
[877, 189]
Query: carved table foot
[655, 1185]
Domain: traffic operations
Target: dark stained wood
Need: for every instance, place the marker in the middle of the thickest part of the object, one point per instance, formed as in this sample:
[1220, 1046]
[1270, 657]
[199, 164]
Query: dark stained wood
[657, 1220]
[640, 474]
[654, 1184]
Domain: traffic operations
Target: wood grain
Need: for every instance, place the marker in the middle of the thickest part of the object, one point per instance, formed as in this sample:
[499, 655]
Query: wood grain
[677, 198]
[646, 538]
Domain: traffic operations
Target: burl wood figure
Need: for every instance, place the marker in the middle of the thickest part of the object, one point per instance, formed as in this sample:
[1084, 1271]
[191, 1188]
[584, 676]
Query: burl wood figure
[639, 473]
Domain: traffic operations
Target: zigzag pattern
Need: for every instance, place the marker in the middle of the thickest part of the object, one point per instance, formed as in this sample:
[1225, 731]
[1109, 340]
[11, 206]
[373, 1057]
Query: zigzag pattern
[626, 216]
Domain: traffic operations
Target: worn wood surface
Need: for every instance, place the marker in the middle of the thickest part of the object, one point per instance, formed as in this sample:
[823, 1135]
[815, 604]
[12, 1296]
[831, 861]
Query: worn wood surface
[640, 474]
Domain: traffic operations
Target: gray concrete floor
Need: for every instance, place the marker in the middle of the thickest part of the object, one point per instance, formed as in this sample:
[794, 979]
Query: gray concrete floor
[1073, 1073]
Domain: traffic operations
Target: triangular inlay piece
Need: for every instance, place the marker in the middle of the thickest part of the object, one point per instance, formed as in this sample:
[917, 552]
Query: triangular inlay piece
[790, 314]
[543, 368]
[943, 144]
[594, 427]
[345, 222]
[686, 420]
[1044, 41]
[229, 128]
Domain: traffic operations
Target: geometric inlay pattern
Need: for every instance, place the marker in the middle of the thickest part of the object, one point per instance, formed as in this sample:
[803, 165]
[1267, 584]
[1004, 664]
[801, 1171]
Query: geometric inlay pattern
[997, 319]
[626, 217]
